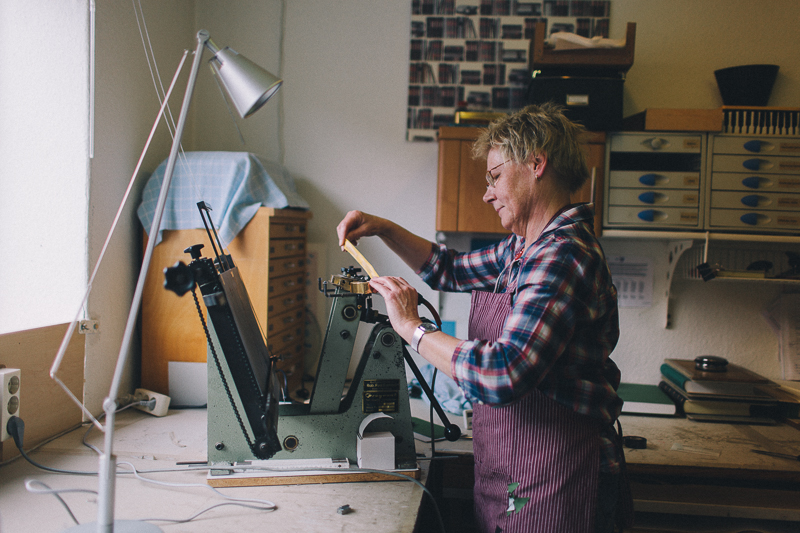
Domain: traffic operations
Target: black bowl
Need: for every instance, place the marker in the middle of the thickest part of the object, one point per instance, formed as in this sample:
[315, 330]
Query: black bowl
[746, 85]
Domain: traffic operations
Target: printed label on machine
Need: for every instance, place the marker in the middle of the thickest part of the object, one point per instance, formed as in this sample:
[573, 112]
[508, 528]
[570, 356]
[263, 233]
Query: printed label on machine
[381, 395]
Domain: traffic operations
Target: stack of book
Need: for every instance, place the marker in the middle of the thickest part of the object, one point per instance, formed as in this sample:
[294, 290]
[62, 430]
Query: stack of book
[733, 395]
[640, 399]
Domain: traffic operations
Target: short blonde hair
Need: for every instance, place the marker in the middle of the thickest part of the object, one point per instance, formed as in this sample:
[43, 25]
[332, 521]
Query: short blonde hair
[535, 130]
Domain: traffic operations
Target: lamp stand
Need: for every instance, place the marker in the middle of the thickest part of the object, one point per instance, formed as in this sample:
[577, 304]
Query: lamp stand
[108, 462]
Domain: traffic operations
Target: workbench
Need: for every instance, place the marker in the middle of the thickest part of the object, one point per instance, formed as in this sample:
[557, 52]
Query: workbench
[714, 483]
[152, 443]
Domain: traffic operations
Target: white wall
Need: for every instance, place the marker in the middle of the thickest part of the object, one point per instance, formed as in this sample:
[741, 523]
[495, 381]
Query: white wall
[126, 107]
[347, 63]
[345, 66]
[252, 28]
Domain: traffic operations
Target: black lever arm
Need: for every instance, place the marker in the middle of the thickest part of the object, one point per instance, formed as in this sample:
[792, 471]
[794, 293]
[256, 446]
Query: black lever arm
[451, 431]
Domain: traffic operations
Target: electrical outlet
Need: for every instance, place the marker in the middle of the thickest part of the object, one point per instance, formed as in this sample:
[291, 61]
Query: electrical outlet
[158, 403]
[87, 327]
[9, 398]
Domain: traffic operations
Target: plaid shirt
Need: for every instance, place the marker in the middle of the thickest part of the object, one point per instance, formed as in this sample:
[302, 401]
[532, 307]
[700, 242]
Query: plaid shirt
[562, 327]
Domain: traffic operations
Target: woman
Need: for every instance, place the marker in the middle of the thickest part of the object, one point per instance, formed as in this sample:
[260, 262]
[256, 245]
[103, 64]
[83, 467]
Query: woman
[542, 325]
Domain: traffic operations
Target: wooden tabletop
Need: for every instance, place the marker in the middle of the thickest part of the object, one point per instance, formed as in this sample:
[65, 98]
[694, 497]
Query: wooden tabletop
[706, 449]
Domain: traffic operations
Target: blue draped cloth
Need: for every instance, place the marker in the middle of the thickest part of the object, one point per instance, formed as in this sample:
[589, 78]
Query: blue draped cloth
[234, 184]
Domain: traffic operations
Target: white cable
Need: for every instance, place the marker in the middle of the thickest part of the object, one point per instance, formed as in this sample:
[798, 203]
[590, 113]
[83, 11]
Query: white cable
[268, 505]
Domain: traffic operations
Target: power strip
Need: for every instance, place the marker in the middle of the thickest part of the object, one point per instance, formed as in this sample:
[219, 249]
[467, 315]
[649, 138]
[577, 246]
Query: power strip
[158, 404]
[9, 398]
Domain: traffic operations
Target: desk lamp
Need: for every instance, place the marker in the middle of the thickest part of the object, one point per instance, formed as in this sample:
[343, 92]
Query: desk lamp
[249, 87]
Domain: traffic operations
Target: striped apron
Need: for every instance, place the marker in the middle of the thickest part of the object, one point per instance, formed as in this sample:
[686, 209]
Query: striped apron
[537, 462]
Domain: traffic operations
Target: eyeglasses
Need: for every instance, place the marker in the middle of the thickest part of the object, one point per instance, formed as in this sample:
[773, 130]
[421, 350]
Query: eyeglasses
[491, 180]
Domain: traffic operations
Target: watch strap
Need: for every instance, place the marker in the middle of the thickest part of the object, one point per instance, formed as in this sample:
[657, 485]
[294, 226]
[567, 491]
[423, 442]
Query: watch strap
[418, 334]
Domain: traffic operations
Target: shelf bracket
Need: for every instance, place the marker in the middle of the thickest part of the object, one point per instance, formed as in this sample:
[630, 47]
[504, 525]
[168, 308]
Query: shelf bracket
[674, 252]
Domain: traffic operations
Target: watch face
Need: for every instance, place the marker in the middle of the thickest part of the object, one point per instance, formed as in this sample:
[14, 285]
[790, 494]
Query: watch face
[428, 327]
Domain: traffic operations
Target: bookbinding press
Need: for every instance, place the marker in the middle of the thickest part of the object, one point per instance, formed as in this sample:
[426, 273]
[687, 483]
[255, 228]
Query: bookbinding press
[250, 420]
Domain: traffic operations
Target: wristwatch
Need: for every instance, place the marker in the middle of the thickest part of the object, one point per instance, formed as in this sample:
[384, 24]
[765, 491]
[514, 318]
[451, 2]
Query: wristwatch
[422, 329]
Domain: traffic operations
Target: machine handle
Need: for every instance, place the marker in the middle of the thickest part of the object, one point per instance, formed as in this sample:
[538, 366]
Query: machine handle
[451, 431]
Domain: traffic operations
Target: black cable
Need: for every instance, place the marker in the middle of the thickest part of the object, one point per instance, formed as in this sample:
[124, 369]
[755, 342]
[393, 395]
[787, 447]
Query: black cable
[16, 428]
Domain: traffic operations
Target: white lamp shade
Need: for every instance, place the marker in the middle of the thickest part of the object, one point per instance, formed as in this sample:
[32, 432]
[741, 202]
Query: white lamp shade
[247, 84]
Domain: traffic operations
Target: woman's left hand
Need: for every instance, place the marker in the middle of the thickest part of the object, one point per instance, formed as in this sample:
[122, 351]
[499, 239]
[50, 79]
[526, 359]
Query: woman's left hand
[402, 301]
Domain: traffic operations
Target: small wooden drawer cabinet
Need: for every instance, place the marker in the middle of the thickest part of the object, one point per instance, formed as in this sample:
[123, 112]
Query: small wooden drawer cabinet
[462, 182]
[270, 253]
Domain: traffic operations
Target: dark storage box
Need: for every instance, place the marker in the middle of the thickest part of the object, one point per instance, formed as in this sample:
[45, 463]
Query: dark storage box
[594, 101]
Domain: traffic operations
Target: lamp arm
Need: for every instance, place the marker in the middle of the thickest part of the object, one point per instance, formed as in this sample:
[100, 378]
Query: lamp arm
[105, 522]
[62, 350]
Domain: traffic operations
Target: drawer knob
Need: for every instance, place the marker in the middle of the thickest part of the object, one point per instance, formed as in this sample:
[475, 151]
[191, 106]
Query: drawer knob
[752, 182]
[752, 164]
[753, 146]
[753, 200]
[652, 197]
[752, 219]
[648, 215]
[649, 179]
[656, 143]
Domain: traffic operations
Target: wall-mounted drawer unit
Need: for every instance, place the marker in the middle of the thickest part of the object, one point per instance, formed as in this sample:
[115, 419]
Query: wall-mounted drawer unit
[754, 184]
[655, 180]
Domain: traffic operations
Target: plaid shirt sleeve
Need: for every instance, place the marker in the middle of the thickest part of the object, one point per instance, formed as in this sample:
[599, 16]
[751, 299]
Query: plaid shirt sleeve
[446, 270]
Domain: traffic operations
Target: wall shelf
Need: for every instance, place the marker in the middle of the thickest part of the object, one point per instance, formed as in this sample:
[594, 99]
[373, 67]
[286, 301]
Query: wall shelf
[699, 236]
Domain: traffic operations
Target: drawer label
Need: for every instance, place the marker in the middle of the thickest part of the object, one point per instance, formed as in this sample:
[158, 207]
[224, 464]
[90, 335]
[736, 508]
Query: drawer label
[688, 217]
[381, 396]
[789, 202]
[691, 181]
[690, 199]
[691, 144]
[789, 166]
[788, 183]
[787, 147]
[783, 220]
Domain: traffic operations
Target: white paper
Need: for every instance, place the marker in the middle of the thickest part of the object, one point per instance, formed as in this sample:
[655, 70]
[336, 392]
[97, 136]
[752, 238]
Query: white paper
[783, 315]
[633, 278]
[188, 383]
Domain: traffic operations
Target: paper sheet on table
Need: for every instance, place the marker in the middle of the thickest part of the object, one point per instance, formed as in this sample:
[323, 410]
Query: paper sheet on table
[633, 278]
[783, 314]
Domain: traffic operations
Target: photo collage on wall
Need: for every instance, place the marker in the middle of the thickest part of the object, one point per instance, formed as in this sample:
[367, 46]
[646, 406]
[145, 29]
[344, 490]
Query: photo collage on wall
[473, 54]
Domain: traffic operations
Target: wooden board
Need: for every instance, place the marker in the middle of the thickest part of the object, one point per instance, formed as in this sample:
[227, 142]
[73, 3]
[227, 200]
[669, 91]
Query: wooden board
[675, 120]
[44, 406]
[284, 478]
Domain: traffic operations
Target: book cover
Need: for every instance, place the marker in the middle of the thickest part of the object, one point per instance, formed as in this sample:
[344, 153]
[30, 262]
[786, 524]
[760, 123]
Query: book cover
[732, 374]
[723, 387]
[759, 408]
[645, 400]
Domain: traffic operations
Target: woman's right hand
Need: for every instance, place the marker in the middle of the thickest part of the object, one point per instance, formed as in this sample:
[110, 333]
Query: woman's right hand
[356, 224]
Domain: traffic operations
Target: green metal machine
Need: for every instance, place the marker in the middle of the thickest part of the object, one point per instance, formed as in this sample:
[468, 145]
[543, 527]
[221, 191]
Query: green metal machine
[248, 422]
[327, 425]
